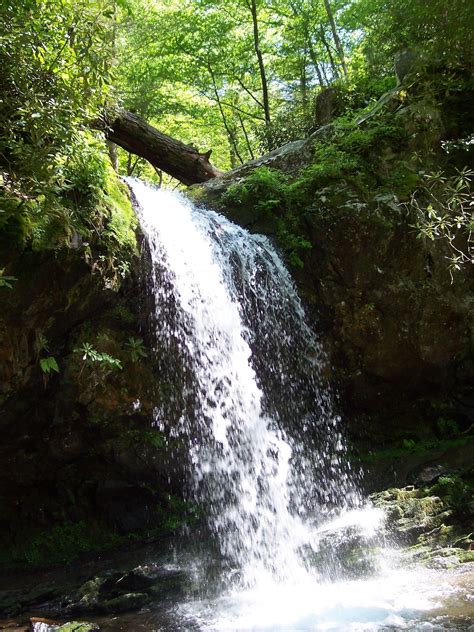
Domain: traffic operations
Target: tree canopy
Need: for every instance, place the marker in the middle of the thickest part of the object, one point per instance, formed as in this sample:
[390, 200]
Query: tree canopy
[240, 77]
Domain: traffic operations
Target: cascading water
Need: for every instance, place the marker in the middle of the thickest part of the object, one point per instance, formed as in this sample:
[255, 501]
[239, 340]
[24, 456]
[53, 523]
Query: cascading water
[267, 459]
[266, 450]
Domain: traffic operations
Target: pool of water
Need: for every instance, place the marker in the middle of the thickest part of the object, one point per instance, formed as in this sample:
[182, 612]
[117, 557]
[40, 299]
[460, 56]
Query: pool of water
[416, 600]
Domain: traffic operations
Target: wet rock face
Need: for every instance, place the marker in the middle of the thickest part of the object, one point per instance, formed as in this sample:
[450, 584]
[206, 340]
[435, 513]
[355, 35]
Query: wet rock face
[78, 448]
[389, 307]
[117, 586]
[126, 591]
[396, 329]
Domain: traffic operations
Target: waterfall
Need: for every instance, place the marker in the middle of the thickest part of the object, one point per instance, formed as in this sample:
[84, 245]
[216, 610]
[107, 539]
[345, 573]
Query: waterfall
[267, 458]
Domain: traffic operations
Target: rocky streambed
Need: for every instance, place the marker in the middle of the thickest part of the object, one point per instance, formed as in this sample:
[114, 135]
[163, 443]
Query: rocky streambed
[428, 529]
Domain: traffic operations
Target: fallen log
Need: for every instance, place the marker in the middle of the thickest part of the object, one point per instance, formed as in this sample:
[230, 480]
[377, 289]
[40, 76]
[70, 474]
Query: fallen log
[183, 162]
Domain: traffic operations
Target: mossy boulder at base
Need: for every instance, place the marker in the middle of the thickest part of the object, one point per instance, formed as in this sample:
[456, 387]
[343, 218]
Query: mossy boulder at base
[47, 625]
[435, 522]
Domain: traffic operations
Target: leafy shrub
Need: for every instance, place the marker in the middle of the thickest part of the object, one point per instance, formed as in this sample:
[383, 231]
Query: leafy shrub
[93, 358]
[443, 209]
[5, 280]
[136, 349]
[456, 491]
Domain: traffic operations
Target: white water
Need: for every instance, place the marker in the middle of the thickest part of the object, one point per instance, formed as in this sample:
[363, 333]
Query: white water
[267, 461]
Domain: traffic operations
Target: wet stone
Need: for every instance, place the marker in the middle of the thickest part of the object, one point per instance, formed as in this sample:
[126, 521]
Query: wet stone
[127, 591]
[48, 625]
[124, 603]
[429, 475]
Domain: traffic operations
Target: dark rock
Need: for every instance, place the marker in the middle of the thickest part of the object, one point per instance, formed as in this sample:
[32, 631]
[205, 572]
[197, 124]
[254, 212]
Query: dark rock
[69, 438]
[126, 591]
[429, 475]
[325, 106]
[117, 584]
[13, 625]
[123, 603]
[129, 506]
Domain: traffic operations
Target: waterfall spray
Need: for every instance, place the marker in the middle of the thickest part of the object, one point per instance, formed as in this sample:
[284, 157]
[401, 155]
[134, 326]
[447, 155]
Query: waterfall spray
[266, 451]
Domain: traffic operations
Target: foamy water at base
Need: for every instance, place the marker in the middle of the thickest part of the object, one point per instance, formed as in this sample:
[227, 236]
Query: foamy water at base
[416, 600]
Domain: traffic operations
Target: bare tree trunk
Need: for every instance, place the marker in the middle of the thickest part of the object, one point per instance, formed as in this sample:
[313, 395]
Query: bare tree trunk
[328, 49]
[261, 65]
[314, 60]
[132, 165]
[159, 173]
[246, 136]
[303, 83]
[337, 40]
[233, 149]
[181, 161]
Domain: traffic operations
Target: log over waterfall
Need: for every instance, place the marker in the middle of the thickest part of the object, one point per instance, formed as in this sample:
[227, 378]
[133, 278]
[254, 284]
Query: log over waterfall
[183, 162]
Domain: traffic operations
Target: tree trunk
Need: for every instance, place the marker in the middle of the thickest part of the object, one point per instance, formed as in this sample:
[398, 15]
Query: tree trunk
[112, 149]
[314, 59]
[231, 137]
[334, 68]
[337, 40]
[172, 156]
[261, 64]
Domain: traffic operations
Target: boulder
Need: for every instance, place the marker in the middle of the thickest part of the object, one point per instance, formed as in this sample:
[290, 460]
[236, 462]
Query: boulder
[47, 625]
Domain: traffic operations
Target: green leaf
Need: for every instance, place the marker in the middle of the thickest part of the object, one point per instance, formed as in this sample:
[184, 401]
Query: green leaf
[48, 365]
[6, 281]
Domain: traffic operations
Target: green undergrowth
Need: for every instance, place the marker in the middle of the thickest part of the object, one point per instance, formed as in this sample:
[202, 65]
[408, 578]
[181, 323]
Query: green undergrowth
[353, 166]
[368, 163]
[83, 205]
[411, 446]
[456, 491]
[63, 543]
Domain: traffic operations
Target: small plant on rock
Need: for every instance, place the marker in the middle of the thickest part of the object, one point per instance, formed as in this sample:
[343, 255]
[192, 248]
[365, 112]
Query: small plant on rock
[136, 349]
[444, 209]
[95, 359]
[6, 281]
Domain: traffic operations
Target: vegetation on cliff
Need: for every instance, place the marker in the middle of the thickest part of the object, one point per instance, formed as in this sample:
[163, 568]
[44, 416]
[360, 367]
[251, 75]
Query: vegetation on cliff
[381, 94]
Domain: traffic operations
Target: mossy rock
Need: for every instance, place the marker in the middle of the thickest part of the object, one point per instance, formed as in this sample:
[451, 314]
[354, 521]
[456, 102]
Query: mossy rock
[77, 626]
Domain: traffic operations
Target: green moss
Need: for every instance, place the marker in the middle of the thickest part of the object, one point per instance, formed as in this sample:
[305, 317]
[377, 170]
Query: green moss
[123, 222]
[84, 206]
[179, 513]
[410, 446]
[77, 626]
[62, 543]
[123, 314]
[454, 490]
[67, 541]
[275, 207]
[465, 556]
[363, 155]
[358, 169]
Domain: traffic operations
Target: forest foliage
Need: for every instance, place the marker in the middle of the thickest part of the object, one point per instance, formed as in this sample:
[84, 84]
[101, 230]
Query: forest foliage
[238, 77]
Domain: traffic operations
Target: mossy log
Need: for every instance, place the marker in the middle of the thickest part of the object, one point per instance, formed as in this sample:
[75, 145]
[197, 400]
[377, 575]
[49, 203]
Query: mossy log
[133, 133]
